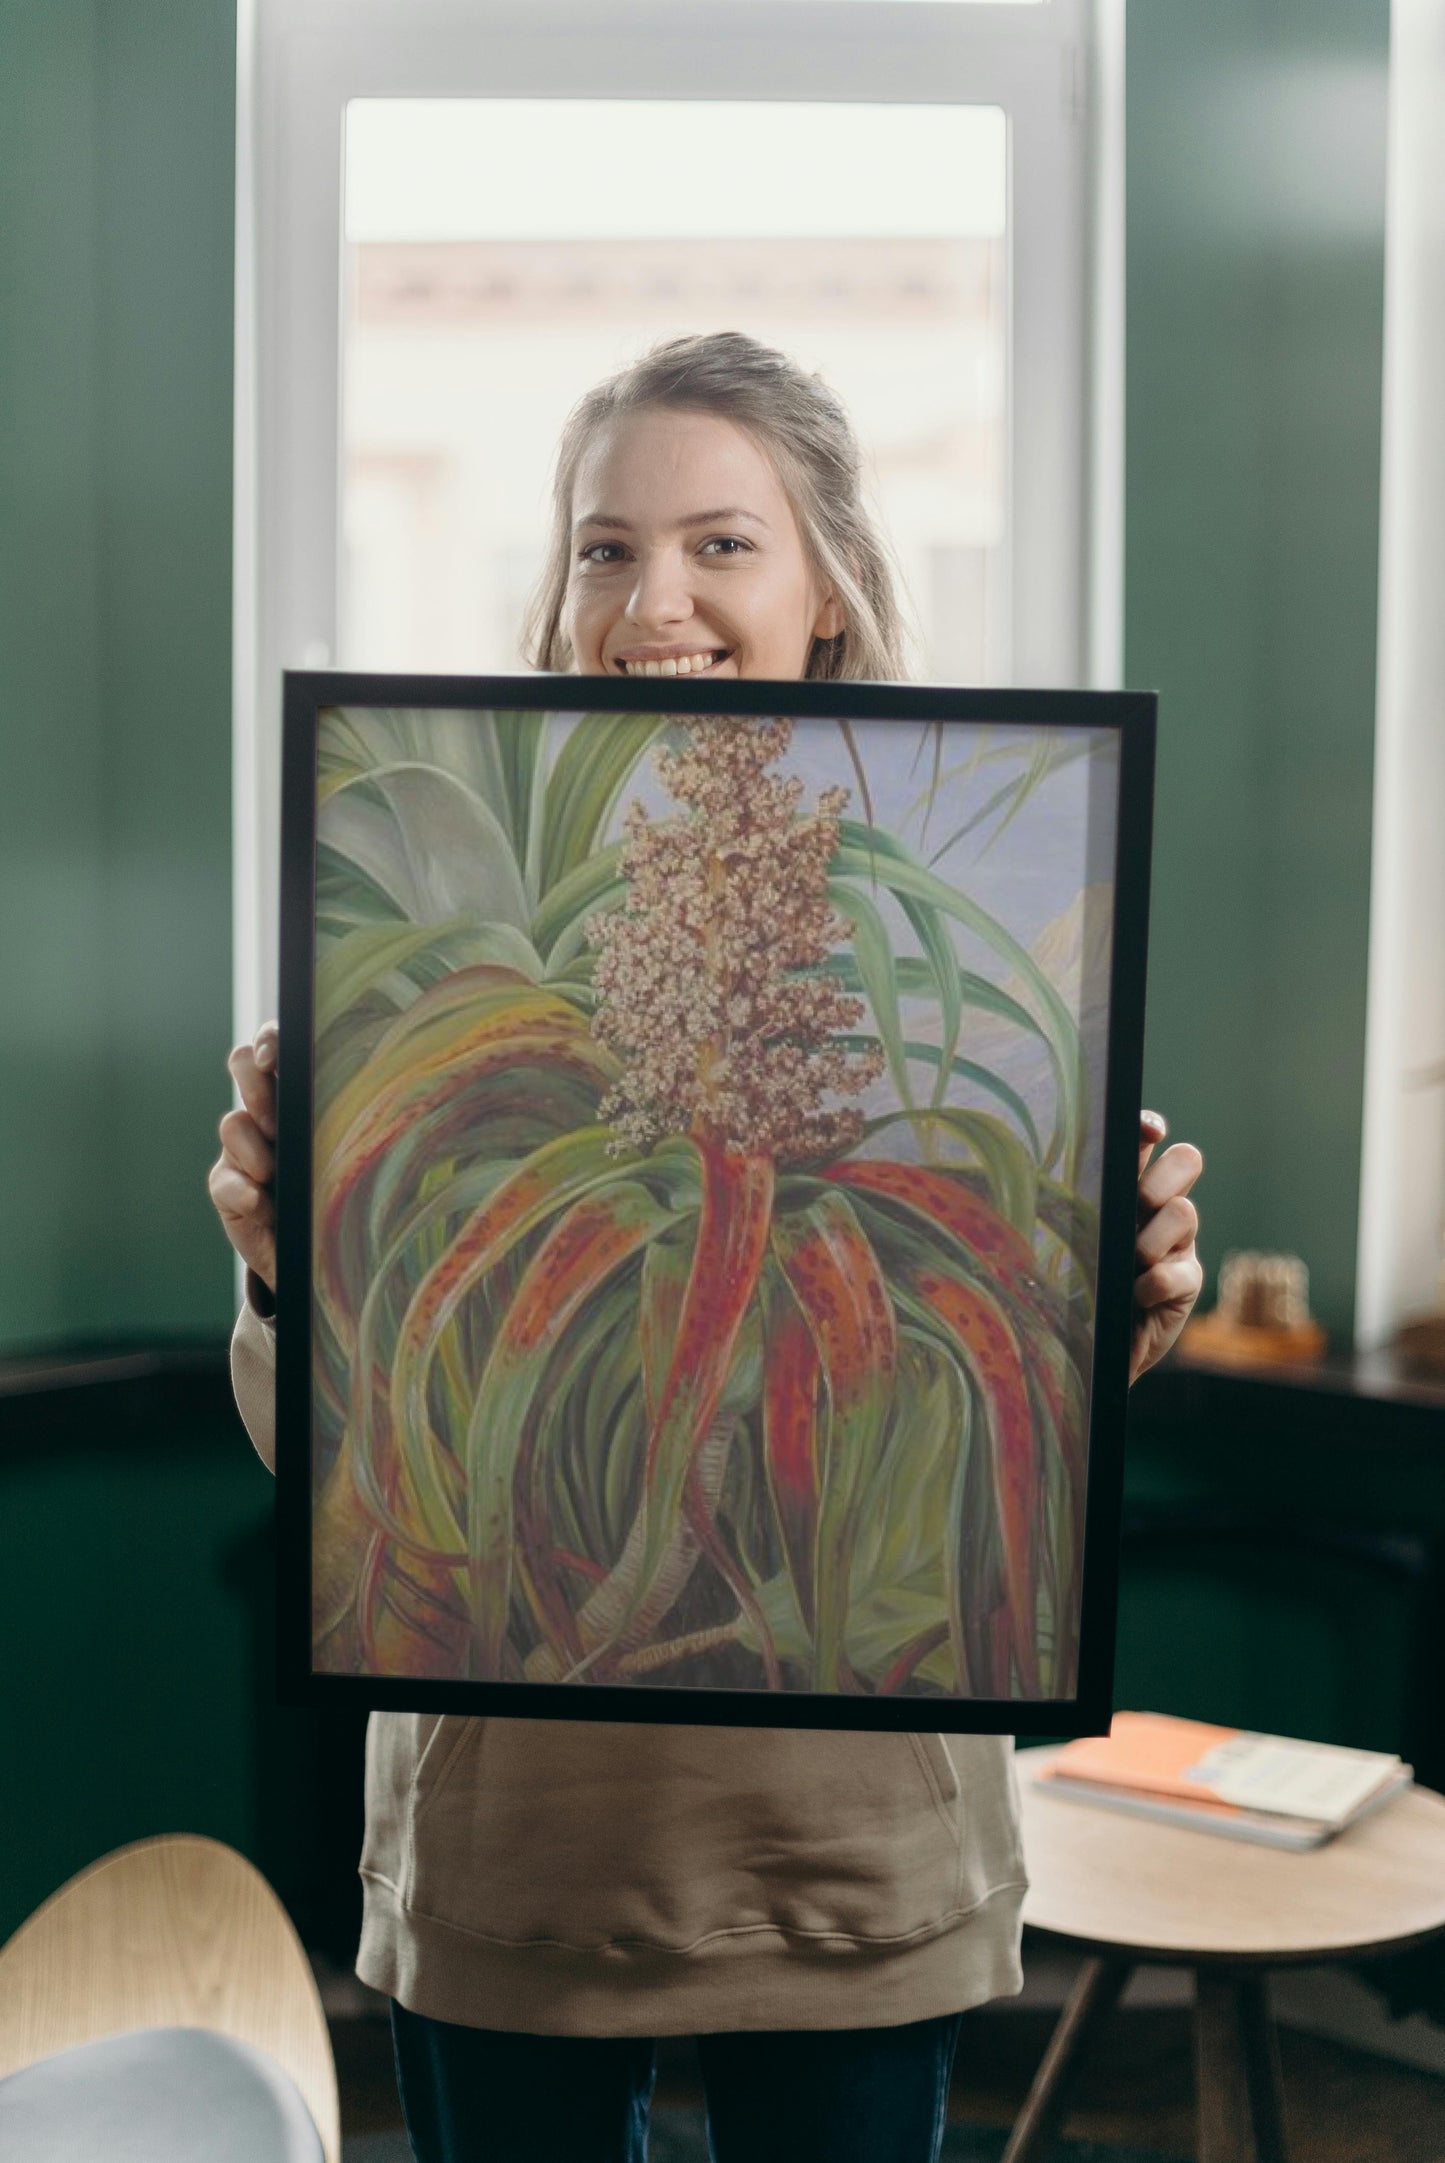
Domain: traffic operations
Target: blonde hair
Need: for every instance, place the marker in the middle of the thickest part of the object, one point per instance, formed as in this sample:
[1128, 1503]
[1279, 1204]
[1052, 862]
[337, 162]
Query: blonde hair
[804, 428]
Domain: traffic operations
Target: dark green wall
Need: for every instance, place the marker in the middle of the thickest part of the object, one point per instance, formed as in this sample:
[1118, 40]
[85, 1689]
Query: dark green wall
[137, 1577]
[1302, 1628]
[127, 1570]
[117, 133]
[1255, 266]
[53, 1157]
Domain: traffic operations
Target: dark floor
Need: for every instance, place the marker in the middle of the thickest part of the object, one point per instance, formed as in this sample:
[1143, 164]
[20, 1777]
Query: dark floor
[1342, 2105]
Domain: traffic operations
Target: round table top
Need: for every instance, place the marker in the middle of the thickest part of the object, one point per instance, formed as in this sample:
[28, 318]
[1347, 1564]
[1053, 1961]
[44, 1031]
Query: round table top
[1166, 1892]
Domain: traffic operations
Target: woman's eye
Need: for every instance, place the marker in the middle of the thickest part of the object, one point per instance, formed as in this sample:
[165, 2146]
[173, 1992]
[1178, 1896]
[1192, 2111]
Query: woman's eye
[726, 544]
[602, 552]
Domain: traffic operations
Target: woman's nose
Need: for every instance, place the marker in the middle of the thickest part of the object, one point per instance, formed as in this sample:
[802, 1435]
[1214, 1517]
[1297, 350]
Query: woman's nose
[661, 595]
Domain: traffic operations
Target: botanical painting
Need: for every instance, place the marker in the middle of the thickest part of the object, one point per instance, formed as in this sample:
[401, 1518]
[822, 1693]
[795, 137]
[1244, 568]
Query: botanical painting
[706, 1156]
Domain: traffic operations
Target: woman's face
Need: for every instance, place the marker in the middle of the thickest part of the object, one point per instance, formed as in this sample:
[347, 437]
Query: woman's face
[686, 556]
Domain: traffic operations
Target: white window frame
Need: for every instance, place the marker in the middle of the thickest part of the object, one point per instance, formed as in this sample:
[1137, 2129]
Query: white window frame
[1056, 69]
[1402, 1164]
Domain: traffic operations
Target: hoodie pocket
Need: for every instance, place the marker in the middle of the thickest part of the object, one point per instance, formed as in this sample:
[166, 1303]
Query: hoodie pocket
[450, 1737]
[453, 1739]
[939, 1775]
[399, 1746]
[591, 1834]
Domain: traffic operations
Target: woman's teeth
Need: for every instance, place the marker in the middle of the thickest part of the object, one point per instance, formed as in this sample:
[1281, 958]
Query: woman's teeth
[686, 664]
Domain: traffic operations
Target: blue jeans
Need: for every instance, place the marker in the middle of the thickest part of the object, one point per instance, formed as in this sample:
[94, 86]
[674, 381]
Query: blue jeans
[833, 2095]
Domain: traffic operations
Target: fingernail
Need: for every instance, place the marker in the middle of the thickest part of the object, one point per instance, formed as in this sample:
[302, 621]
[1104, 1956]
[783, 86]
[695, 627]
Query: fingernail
[1156, 1120]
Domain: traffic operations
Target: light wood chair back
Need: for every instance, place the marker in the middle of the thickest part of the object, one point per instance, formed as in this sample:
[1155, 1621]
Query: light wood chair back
[177, 1932]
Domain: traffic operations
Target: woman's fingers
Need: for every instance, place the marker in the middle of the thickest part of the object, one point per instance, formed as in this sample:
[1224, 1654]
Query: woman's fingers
[1171, 1227]
[241, 1179]
[1172, 1174]
[243, 1142]
[1169, 1276]
[1173, 1282]
[247, 1214]
[1153, 1127]
[253, 1069]
[238, 1197]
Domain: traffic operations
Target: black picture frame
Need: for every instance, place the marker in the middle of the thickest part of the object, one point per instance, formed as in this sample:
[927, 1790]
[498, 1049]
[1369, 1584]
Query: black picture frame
[1131, 716]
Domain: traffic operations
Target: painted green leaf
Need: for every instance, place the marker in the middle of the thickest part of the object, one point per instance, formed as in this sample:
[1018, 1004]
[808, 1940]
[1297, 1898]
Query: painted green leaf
[873, 953]
[858, 850]
[591, 770]
[574, 1262]
[426, 839]
[557, 928]
[550, 1180]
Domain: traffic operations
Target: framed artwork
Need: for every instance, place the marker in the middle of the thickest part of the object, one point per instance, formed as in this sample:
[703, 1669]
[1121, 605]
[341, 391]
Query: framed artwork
[708, 1138]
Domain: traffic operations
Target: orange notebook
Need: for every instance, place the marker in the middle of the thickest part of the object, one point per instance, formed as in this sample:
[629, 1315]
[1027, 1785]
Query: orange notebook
[1203, 1764]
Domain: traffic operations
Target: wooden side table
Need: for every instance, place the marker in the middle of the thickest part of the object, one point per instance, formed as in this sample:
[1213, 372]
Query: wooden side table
[1125, 1890]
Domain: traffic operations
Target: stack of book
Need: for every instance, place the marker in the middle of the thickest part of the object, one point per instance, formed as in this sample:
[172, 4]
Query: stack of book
[1230, 1780]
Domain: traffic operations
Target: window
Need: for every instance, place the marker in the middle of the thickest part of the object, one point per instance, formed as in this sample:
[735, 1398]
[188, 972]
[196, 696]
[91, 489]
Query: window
[867, 240]
[453, 219]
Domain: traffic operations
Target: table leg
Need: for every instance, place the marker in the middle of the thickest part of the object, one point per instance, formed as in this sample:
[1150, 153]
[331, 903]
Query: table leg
[1241, 2112]
[1261, 2043]
[1096, 1991]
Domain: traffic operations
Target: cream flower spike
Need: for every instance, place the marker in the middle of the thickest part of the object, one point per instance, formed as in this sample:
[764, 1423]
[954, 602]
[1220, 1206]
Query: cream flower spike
[708, 975]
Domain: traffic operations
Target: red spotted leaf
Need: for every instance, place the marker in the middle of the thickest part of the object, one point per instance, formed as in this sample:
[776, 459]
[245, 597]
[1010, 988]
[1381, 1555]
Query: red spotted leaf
[596, 1237]
[792, 1377]
[988, 1349]
[957, 1209]
[841, 1292]
[732, 1238]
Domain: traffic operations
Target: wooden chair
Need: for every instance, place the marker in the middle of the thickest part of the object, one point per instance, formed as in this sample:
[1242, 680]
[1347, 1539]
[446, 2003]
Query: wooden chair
[176, 1932]
[1125, 1890]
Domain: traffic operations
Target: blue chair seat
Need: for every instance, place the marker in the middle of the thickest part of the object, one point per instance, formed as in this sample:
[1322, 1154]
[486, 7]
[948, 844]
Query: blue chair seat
[156, 2095]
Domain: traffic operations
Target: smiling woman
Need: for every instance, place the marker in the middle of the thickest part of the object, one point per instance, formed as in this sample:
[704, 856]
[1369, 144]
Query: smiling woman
[646, 577]
[676, 592]
[544, 1895]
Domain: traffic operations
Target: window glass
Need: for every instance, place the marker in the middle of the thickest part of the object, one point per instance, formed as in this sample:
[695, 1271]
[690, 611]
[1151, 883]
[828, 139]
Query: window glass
[504, 255]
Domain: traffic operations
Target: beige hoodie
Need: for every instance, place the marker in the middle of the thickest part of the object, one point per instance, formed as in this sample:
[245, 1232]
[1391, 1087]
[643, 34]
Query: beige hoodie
[594, 1878]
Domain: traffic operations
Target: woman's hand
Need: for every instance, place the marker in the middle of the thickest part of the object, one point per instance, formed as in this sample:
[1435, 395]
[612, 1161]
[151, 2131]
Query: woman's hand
[1167, 1272]
[241, 1179]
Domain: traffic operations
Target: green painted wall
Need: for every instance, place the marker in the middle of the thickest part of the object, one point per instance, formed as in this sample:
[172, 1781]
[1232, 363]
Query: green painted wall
[1255, 265]
[137, 1568]
[125, 1564]
[1289, 1638]
[117, 133]
[52, 984]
